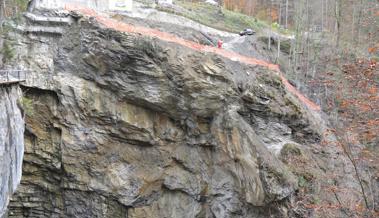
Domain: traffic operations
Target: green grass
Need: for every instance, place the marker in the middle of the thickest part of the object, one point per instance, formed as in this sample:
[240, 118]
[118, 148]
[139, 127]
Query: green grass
[237, 21]
[302, 181]
[27, 105]
[7, 51]
[21, 4]
[279, 29]
[8, 47]
[211, 16]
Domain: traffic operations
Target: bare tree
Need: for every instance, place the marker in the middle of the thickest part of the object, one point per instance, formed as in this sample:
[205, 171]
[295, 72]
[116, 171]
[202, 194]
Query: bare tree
[279, 22]
[270, 32]
[337, 14]
[2, 13]
[286, 14]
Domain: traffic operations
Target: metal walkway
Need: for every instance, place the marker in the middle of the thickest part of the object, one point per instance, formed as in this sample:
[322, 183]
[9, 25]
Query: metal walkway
[12, 76]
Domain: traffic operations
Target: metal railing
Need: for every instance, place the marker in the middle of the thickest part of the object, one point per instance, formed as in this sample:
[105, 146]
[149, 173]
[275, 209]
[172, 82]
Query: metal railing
[13, 76]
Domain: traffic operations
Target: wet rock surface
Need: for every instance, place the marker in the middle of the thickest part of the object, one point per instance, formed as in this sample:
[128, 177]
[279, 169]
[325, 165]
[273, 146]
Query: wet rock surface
[124, 125]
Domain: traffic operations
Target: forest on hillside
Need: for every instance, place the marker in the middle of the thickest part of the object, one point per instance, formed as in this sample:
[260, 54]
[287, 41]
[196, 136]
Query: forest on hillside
[334, 59]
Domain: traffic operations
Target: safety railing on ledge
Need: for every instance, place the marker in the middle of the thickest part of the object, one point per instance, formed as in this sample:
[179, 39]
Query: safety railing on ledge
[12, 76]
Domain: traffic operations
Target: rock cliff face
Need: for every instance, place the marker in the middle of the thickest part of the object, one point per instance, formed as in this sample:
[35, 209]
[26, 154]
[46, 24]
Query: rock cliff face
[11, 143]
[124, 125]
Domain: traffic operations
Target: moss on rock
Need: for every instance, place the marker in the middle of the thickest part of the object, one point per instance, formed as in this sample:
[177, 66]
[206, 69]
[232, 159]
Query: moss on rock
[290, 149]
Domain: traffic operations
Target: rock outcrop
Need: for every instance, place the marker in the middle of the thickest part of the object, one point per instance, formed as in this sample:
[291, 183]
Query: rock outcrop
[124, 125]
[11, 142]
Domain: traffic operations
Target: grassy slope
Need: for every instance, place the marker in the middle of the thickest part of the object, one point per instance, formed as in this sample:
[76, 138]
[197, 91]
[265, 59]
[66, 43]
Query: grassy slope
[210, 15]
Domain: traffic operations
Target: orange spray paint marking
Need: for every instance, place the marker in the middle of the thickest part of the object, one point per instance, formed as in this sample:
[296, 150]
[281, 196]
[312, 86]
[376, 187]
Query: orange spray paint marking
[123, 27]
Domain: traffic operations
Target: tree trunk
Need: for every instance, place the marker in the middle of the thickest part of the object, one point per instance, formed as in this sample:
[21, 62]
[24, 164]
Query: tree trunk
[353, 24]
[220, 6]
[2, 13]
[338, 22]
[322, 15]
[270, 33]
[307, 39]
[279, 21]
[357, 38]
[326, 9]
[286, 14]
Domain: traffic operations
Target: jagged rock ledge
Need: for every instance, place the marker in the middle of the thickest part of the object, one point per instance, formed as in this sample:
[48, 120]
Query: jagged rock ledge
[124, 125]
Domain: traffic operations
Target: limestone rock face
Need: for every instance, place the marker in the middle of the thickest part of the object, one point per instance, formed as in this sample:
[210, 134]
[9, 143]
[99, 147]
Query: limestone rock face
[11, 143]
[128, 126]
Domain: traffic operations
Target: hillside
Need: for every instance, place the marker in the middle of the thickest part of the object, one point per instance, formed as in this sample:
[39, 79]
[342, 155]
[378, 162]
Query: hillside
[139, 115]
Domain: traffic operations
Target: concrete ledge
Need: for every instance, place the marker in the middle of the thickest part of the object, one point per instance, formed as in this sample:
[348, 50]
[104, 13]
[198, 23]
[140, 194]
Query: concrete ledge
[42, 19]
[41, 29]
[10, 82]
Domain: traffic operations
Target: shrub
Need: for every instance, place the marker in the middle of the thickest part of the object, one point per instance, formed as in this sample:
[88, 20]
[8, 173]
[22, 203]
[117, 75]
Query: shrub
[7, 51]
[27, 105]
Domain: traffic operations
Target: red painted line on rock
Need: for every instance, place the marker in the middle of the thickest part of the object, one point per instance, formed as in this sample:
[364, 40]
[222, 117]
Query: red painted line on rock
[123, 27]
[302, 98]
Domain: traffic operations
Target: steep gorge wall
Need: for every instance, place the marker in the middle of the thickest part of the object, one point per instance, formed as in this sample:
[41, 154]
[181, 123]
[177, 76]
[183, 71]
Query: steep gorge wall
[124, 125]
[11, 143]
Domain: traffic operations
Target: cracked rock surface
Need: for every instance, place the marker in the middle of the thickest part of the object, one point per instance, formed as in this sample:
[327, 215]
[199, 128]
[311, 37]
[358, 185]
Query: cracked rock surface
[124, 125]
